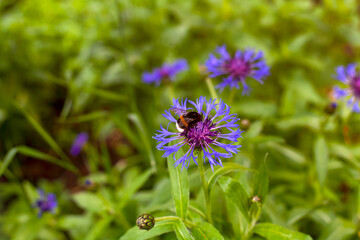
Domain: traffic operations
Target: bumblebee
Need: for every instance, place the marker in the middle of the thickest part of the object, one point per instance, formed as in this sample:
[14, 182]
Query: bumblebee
[186, 119]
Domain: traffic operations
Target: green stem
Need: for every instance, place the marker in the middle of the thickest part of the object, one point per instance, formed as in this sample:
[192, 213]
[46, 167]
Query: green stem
[211, 88]
[205, 188]
[11, 176]
[187, 222]
[170, 91]
[197, 211]
[231, 96]
[158, 219]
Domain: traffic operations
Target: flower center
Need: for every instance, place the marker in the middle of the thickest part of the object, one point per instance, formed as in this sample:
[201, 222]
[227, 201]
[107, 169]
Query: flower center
[201, 133]
[238, 68]
[164, 73]
[44, 205]
[355, 86]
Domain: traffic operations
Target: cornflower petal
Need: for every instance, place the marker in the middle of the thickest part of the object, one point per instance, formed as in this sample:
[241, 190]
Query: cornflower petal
[45, 202]
[78, 143]
[166, 71]
[245, 64]
[351, 93]
[202, 135]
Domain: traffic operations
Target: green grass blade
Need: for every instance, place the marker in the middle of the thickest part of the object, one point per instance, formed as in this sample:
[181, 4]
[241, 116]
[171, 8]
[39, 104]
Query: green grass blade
[227, 168]
[261, 182]
[206, 231]
[30, 152]
[271, 231]
[96, 230]
[321, 155]
[86, 117]
[236, 193]
[7, 160]
[182, 233]
[45, 135]
[106, 94]
[179, 186]
[144, 137]
[133, 187]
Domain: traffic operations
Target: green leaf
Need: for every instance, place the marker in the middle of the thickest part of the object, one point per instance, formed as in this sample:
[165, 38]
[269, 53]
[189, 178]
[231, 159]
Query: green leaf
[96, 230]
[227, 168]
[236, 193]
[321, 155]
[7, 160]
[254, 130]
[86, 117]
[275, 232]
[179, 186]
[106, 94]
[144, 137]
[45, 135]
[27, 151]
[133, 186]
[181, 231]
[161, 227]
[206, 231]
[286, 153]
[29, 229]
[77, 225]
[89, 201]
[256, 109]
[344, 152]
[338, 229]
[311, 122]
[30, 152]
[261, 182]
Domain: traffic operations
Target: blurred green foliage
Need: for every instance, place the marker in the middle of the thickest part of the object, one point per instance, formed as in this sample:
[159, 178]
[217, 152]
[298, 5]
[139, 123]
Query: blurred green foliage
[74, 65]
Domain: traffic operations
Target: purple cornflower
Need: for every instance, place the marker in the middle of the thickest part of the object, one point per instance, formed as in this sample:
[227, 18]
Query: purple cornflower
[351, 78]
[244, 64]
[79, 143]
[46, 202]
[204, 136]
[166, 71]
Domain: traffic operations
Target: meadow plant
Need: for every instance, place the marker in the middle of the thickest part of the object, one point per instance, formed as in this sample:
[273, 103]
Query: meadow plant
[45, 202]
[236, 69]
[292, 174]
[78, 143]
[167, 71]
[204, 137]
[351, 79]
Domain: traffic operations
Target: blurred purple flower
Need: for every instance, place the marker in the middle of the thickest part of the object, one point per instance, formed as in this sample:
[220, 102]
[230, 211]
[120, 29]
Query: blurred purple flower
[46, 202]
[79, 143]
[204, 136]
[244, 64]
[350, 77]
[166, 71]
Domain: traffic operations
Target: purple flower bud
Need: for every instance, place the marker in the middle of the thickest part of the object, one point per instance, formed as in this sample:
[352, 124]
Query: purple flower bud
[46, 202]
[79, 143]
[166, 71]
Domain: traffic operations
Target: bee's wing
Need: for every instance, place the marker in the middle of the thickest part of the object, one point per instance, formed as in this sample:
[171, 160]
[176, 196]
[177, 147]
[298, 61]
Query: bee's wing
[178, 111]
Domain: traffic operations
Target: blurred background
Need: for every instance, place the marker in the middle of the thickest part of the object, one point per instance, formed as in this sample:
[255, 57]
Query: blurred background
[73, 66]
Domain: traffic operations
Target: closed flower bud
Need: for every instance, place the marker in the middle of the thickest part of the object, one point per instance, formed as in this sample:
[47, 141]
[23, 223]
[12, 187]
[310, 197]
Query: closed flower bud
[330, 108]
[245, 124]
[255, 207]
[145, 221]
[90, 185]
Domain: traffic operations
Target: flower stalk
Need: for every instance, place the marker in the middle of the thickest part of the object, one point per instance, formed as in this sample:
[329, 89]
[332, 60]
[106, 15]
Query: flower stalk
[205, 188]
[211, 87]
